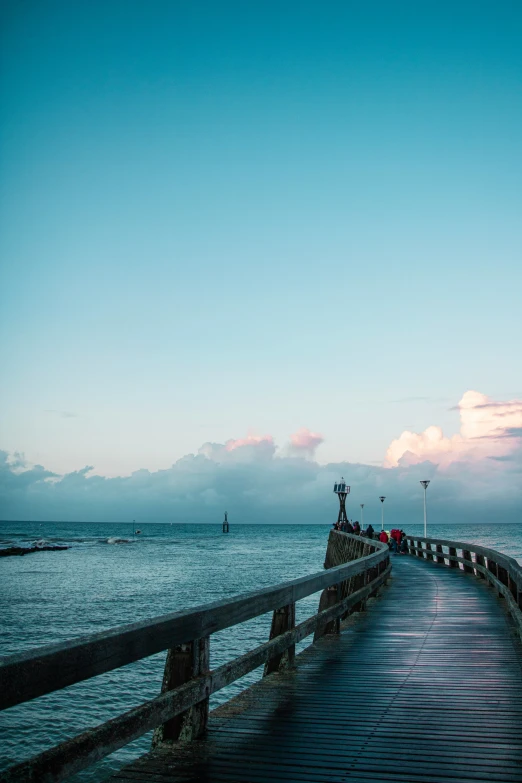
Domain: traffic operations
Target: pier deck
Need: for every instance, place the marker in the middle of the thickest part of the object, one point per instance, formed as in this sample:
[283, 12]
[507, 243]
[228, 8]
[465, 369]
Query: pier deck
[425, 686]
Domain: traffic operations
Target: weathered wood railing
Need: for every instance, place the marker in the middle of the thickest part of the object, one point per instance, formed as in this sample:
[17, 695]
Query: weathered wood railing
[181, 711]
[501, 571]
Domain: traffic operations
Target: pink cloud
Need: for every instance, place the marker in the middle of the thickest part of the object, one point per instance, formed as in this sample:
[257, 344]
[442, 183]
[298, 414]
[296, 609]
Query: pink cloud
[251, 448]
[487, 429]
[305, 441]
[250, 440]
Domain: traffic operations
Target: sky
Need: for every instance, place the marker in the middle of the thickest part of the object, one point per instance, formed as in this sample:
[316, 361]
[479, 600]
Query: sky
[248, 222]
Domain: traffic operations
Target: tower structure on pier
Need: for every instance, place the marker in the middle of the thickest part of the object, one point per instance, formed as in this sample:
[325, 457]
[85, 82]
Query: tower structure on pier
[225, 523]
[342, 490]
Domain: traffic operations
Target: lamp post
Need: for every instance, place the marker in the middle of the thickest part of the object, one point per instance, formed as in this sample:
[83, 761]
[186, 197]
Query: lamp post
[382, 498]
[362, 516]
[425, 485]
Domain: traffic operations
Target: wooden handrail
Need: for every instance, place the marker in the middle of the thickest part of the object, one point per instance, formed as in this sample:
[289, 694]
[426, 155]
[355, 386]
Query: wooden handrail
[504, 573]
[182, 708]
[46, 669]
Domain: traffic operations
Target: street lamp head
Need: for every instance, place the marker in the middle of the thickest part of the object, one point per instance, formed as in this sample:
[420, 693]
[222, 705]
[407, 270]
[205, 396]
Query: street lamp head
[382, 498]
[362, 505]
[425, 484]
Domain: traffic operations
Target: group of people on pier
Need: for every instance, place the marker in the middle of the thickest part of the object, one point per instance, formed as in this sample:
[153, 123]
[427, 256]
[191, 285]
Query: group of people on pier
[353, 527]
[396, 539]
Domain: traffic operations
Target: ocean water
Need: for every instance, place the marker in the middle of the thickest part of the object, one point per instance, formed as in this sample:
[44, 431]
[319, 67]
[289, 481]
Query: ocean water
[109, 577]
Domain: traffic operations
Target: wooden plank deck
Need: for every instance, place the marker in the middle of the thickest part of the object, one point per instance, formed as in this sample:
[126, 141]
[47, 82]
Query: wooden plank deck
[427, 686]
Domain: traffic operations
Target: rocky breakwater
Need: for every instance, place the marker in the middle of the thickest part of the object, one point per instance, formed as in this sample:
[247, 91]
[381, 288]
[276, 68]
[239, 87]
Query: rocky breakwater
[28, 550]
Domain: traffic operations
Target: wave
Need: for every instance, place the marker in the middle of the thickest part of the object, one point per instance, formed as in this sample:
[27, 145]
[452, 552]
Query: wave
[119, 541]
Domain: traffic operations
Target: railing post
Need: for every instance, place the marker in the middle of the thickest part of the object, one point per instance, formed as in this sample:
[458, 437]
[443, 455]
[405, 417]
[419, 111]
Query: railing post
[282, 620]
[466, 554]
[453, 553]
[479, 560]
[185, 662]
[429, 554]
[329, 597]
[440, 555]
[420, 553]
[491, 566]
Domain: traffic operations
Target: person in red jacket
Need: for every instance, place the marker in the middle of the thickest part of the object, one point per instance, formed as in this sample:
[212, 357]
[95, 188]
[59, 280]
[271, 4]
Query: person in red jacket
[383, 536]
[396, 535]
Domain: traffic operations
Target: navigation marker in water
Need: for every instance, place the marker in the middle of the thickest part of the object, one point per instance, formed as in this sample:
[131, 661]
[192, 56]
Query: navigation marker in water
[225, 524]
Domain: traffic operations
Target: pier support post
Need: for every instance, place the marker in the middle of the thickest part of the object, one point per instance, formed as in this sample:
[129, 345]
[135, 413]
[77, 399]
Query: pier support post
[184, 662]
[429, 555]
[282, 620]
[420, 553]
[440, 555]
[466, 554]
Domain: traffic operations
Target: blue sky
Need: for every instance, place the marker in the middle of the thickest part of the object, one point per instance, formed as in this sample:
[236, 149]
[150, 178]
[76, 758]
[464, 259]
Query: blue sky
[230, 218]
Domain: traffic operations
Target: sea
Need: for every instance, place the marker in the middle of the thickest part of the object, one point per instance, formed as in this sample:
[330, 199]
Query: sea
[109, 577]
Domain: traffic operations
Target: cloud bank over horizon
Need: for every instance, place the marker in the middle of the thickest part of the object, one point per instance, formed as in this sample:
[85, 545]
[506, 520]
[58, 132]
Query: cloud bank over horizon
[489, 430]
[475, 477]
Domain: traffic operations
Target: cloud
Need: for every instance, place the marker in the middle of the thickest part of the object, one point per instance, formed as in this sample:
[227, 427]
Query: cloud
[256, 482]
[17, 476]
[249, 449]
[305, 442]
[487, 429]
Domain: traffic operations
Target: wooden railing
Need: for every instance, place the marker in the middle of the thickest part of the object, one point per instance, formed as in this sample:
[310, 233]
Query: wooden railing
[181, 711]
[501, 571]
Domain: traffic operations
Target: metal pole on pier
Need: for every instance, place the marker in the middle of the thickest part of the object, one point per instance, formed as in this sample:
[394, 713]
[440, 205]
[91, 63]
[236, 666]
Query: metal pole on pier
[362, 516]
[425, 485]
[382, 498]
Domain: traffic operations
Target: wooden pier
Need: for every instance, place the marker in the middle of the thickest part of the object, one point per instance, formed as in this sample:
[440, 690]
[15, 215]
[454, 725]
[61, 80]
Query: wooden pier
[422, 683]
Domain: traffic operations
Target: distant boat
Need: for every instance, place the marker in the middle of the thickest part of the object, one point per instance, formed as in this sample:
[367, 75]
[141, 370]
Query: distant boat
[138, 532]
